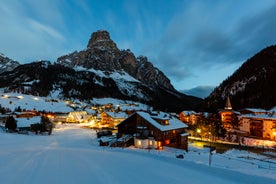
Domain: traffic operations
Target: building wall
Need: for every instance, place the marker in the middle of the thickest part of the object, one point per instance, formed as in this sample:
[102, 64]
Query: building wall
[149, 143]
[244, 125]
[226, 119]
[265, 127]
[109, 121]
[269, 129]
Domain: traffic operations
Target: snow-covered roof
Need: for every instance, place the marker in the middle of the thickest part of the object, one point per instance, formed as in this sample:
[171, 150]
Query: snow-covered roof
[26, 122]
[259, 116]
[90, 111]
[173, 122]
[188, 112]
[273, 109]
[255, 110]
[117, 114]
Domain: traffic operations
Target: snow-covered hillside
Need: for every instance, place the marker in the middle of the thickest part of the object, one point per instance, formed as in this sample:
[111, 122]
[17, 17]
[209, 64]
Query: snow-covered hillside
[72, 155]
[53, 104]
[126, 83]
[7, 64]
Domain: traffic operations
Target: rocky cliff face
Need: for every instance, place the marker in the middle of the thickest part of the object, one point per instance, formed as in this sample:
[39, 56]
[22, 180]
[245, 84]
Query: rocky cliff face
[7, 64]
[102, 54]
[99, 71]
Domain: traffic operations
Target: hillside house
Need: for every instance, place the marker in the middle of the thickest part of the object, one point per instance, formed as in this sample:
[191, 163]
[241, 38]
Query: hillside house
[61, 118]
[112, 119]
[259, 125]
[78, 117]
[189, 117]
[24, 124]
[25, 114]
[73, 117]
[155, 130]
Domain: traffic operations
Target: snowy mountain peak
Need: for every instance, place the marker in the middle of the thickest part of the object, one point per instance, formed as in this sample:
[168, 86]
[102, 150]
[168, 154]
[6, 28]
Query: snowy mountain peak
[102, 54]
[7, 64]
[101, 70]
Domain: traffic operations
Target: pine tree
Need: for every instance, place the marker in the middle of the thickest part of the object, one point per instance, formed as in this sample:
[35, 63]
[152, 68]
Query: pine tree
[46, 125]
[11, 123]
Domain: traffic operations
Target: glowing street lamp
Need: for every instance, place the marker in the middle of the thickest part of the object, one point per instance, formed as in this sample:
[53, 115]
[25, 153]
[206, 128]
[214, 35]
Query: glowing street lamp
[198, 130]
[5, 96]
[274, 134]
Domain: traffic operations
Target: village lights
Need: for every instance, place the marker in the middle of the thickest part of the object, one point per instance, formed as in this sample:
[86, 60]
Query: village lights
[198, 130]
[274, 134]
[20, 97]
[6, 96]
[35, 98]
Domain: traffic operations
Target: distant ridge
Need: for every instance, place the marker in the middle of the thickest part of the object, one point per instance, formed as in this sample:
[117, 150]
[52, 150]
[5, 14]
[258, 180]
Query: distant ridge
[252, 85]
[7, 64]
[101, 70]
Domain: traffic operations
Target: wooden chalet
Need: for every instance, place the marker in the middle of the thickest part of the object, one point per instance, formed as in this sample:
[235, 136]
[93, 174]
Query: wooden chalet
[259, 125]
[112, 119]
[155, 130]
[190, 117]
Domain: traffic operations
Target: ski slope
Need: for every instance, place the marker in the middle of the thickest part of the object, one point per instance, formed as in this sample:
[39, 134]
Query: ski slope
[72, 155]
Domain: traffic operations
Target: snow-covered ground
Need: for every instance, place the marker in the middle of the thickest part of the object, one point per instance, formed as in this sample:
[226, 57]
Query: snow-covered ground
[30, 102]
[72, 155]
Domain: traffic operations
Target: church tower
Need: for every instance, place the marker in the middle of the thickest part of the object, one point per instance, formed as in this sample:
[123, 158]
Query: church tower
[228, 105]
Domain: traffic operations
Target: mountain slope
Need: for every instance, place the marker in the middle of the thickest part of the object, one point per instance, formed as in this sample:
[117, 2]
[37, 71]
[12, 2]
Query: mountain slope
[101, 70]
[7, 64]
[252, 85]
[102, 54]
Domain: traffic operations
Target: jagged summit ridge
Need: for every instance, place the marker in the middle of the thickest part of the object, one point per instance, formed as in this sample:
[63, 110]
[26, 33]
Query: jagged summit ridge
[102, 54]
[7, 64]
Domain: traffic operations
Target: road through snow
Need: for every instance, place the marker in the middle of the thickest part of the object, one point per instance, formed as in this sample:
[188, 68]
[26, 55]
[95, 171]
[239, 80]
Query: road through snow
[72, 155]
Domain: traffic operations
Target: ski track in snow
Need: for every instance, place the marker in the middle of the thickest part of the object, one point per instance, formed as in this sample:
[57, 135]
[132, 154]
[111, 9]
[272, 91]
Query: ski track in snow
[72, 155]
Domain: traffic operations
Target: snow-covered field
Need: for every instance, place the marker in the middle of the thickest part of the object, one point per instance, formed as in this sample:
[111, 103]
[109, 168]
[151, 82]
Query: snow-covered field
[72, 155]
[30, 102]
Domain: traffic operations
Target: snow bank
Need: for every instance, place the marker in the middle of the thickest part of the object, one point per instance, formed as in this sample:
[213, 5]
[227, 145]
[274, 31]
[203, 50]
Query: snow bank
[72, 155]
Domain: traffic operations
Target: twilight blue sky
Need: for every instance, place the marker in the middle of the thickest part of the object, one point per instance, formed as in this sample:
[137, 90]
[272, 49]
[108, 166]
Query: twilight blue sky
[196, 43]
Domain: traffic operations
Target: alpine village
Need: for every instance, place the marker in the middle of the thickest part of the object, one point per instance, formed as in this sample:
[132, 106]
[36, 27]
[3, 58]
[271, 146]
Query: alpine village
[129, 102]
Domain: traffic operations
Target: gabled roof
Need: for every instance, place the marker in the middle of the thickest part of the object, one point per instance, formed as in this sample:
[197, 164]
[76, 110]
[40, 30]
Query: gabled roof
[188, 112]
[273, 109]
[259, 116]
[117, 114]
[174, 123]
[26, 122]
[254, 110]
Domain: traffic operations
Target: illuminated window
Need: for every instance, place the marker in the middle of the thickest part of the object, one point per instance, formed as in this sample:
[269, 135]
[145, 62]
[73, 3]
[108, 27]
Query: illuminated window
[139, 143]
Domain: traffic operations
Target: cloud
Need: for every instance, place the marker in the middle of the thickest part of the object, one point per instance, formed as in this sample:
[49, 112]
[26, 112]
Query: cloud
[207, 36]
[24, 38]
[256, 32]
[199, 91]
[42, 29]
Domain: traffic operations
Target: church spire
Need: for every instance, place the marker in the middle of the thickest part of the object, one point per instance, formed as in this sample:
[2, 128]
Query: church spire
[228, 105]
